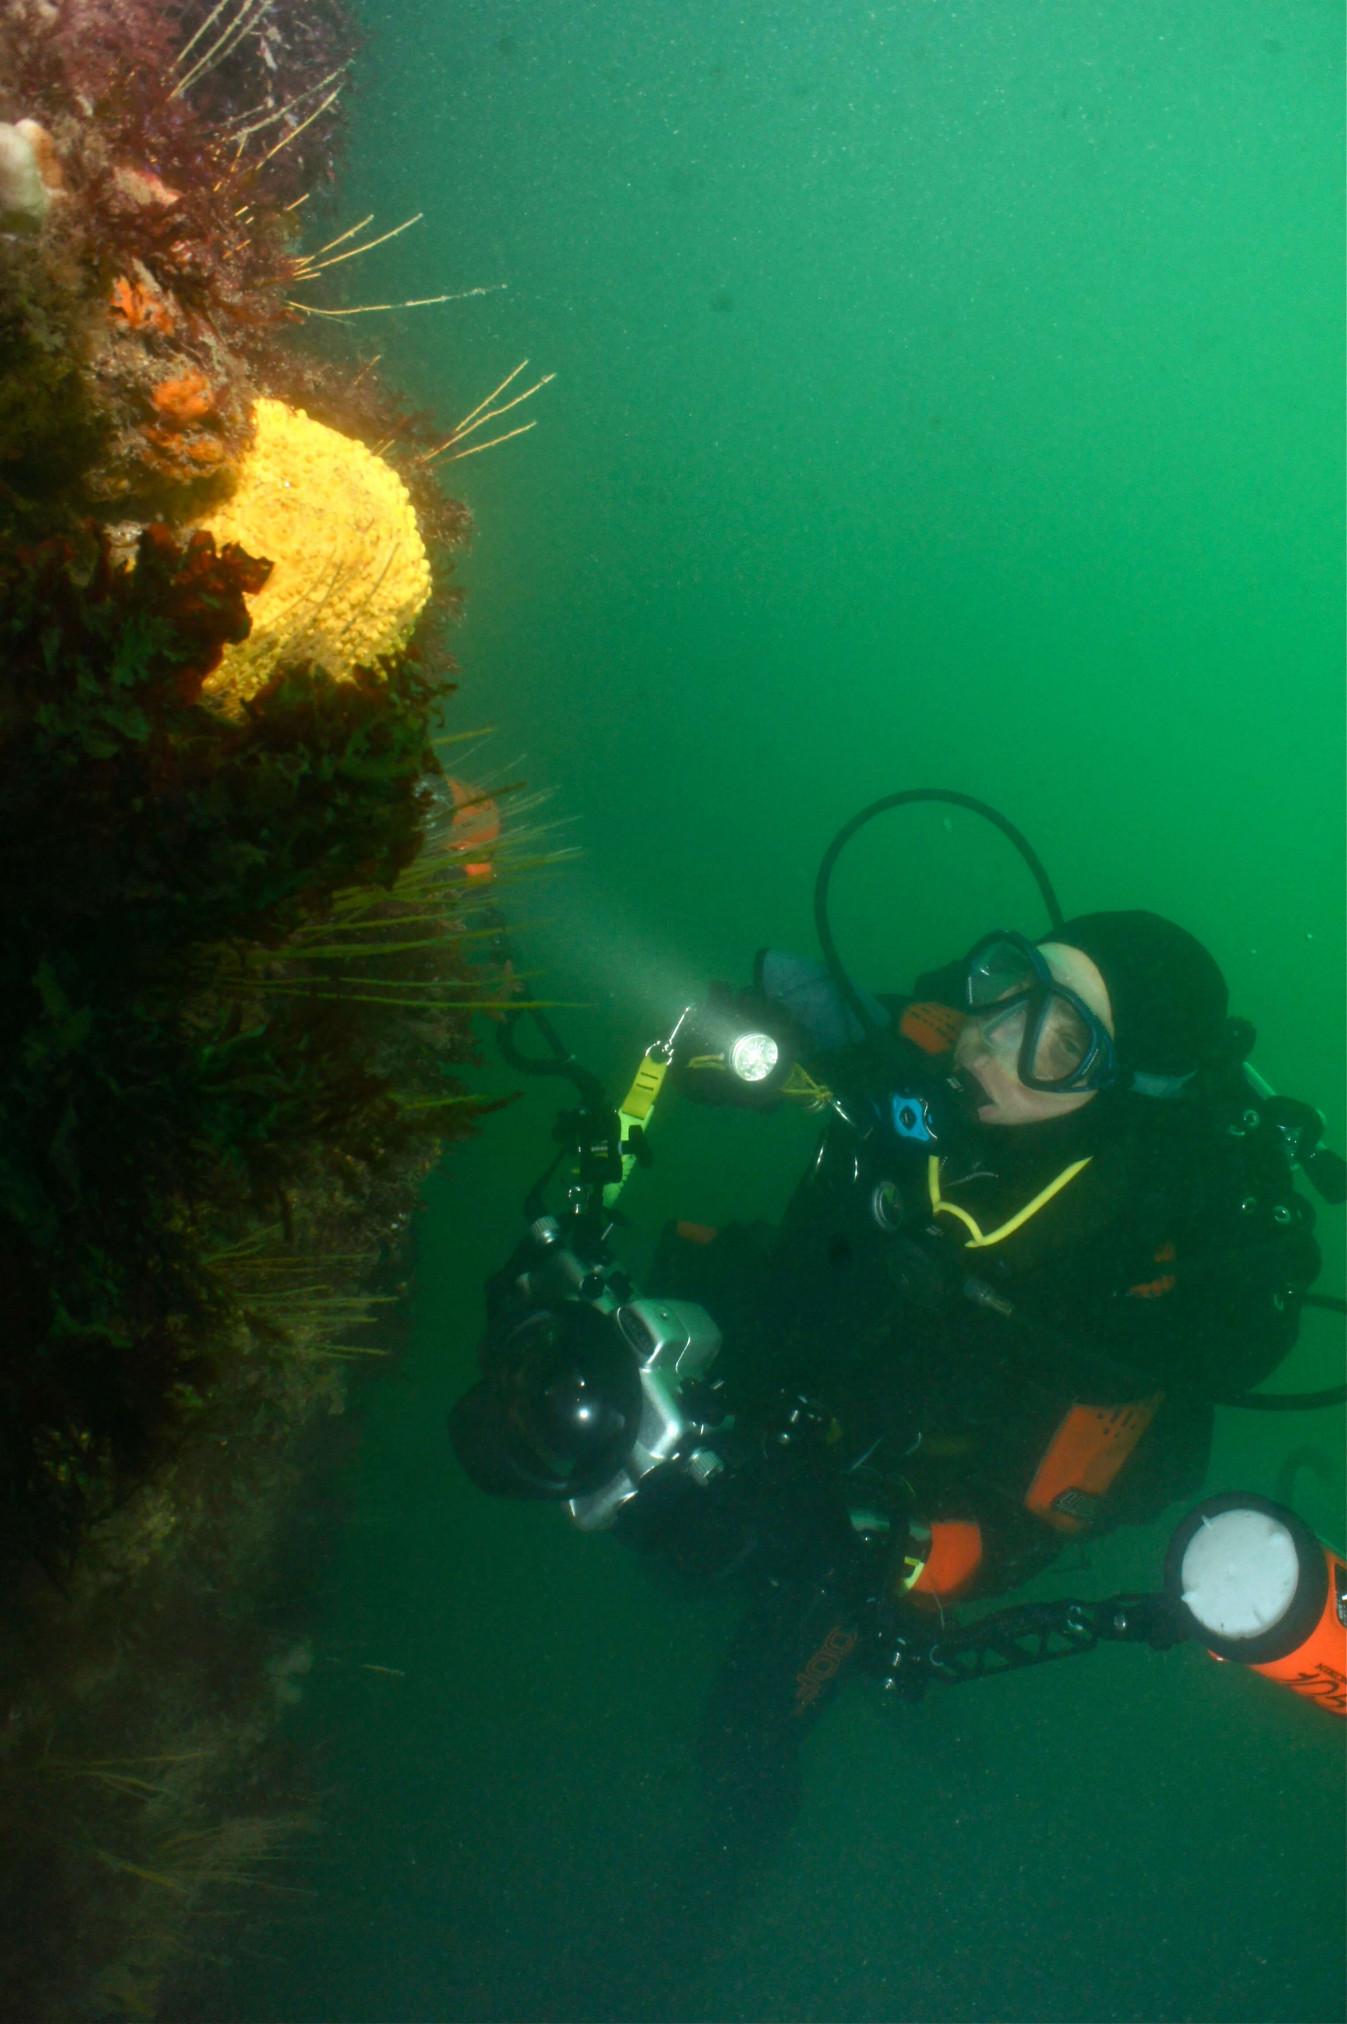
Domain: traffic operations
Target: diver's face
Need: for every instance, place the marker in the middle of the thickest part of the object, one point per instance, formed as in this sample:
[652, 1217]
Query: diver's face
[988, 1049]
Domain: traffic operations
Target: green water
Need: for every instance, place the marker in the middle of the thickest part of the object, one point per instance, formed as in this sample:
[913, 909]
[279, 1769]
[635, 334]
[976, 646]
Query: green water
[946, 394]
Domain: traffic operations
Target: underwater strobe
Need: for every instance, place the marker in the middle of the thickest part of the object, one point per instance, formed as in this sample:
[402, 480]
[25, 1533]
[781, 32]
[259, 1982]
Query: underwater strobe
[1252, 1583]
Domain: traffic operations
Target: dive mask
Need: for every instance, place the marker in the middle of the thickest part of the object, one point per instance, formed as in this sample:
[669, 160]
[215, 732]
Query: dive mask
[1046, 1033]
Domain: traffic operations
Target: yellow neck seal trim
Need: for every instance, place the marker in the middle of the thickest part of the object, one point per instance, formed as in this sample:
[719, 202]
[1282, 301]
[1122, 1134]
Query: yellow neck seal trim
[978, 1238]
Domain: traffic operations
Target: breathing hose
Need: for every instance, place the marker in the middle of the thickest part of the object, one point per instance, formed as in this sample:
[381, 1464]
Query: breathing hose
[1296, 1402]
[823, 927]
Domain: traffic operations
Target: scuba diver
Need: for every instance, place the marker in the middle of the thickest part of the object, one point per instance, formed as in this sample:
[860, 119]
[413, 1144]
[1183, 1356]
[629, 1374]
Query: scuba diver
[1025, 1315]
[1049, 1227]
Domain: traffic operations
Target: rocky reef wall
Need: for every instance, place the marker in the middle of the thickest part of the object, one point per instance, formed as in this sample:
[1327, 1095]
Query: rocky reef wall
[242, 952]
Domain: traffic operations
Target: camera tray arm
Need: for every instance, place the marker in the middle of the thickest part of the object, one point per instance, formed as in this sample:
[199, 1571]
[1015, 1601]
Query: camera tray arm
[910, 1658]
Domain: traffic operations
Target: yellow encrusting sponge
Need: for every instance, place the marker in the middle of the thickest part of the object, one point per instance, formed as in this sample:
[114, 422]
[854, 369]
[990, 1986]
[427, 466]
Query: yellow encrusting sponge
[350, 572]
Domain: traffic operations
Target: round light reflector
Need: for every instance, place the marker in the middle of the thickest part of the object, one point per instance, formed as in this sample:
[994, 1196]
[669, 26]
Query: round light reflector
[1239, 1573]
[754, 1056]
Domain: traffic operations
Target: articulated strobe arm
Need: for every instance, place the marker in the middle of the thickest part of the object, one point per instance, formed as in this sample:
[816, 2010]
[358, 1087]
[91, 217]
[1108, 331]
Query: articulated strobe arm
[909, 1654]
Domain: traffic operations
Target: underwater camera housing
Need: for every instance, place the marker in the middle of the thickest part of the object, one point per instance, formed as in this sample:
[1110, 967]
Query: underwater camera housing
[586, 1385]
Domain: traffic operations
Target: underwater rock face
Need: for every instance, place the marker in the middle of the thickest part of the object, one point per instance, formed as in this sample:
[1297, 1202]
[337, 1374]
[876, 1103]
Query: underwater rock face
[238, 970]
[350, 574]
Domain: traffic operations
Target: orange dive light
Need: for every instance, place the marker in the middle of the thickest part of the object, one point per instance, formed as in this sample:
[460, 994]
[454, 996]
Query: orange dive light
[1254, 1584]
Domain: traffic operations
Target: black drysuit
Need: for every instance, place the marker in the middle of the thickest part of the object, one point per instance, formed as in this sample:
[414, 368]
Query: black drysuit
[1168, 1268]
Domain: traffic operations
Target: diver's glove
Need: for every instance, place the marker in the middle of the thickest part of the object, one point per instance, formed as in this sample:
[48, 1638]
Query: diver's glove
[795, 1006]
[768, 1515]
[736, 1047]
